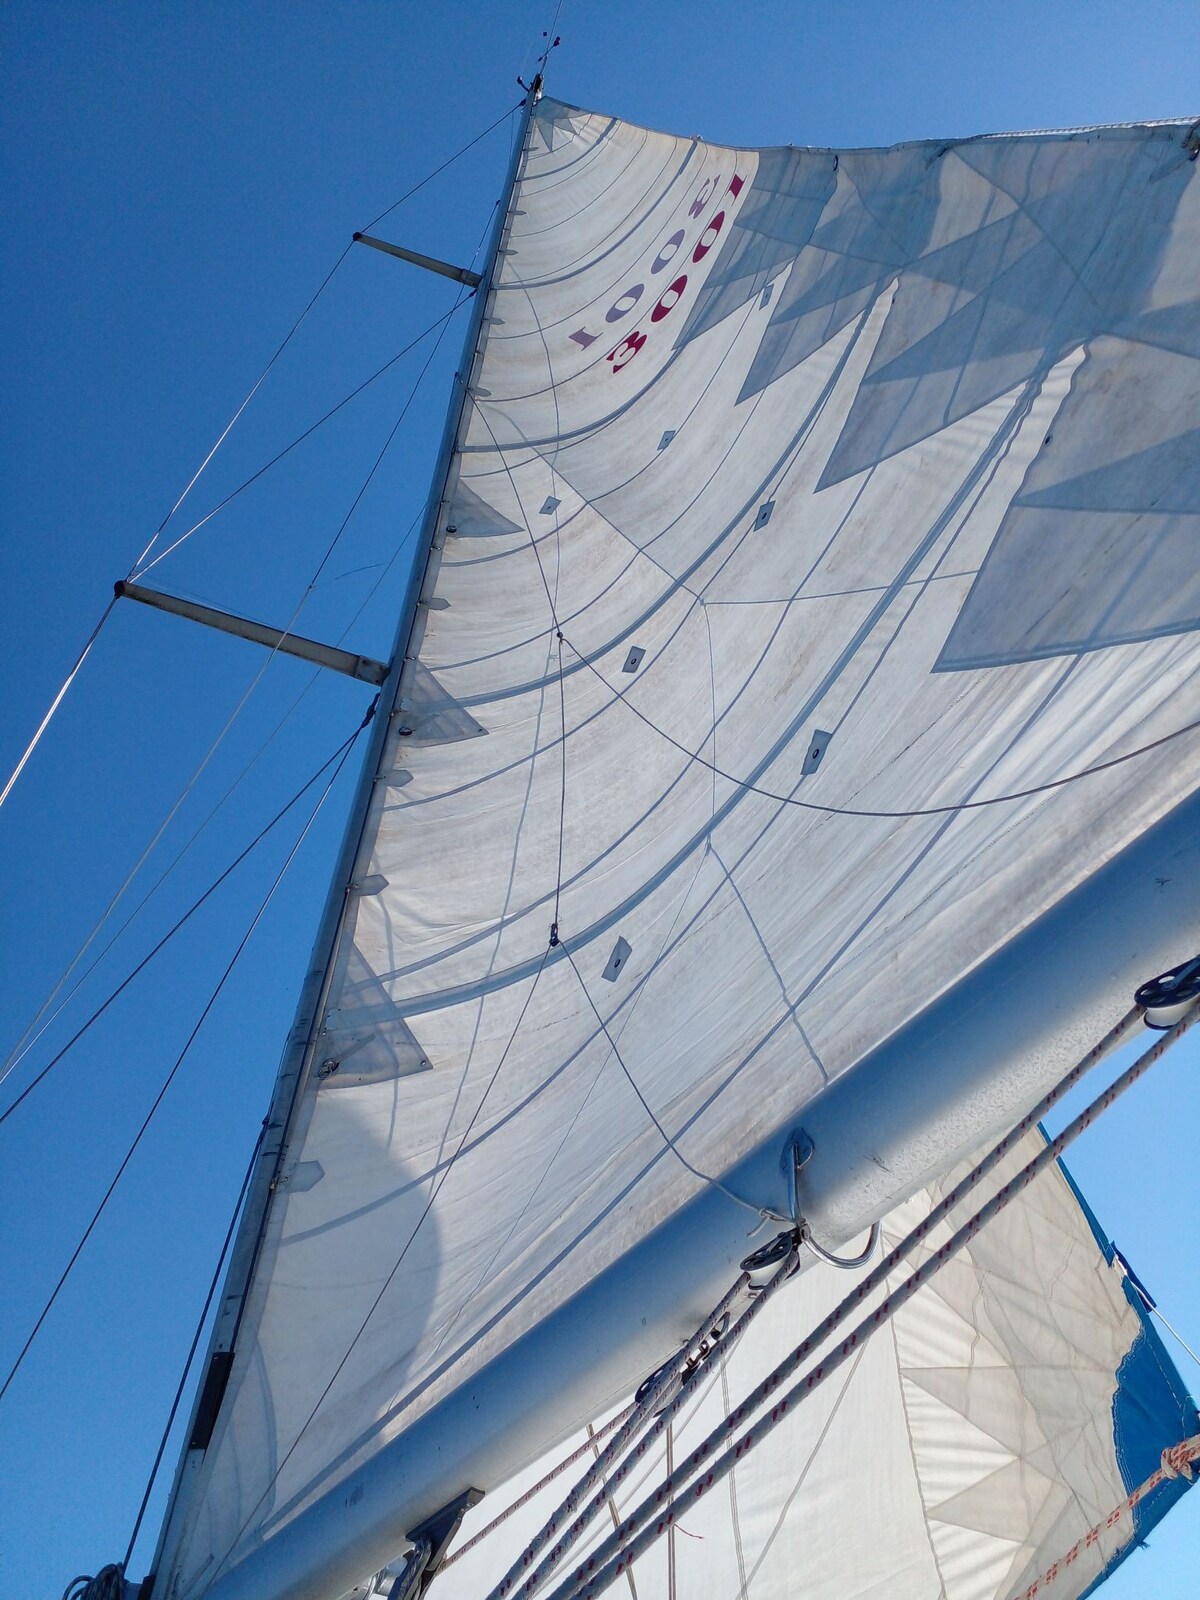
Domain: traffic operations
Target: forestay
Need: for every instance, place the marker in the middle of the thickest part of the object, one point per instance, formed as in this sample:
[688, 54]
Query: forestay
[984, 1437]
[807, 503]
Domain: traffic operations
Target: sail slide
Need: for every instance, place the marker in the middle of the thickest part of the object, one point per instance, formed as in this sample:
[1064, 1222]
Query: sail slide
[982, 1439]
[810, 613]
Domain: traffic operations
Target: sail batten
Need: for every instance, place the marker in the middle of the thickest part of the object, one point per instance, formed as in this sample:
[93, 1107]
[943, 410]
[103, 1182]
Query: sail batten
[813, 537]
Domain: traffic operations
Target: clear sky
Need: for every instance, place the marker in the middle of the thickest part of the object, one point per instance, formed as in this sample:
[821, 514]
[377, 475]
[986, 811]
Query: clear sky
[178, 179]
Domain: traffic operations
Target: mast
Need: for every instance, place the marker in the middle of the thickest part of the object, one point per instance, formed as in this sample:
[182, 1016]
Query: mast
[297, 1060]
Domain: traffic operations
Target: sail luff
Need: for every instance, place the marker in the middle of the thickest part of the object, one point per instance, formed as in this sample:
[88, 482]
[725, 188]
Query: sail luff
[296, 1061]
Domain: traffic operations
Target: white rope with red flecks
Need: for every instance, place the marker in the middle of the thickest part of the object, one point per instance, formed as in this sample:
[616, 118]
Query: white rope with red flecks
[697, 1475]
[1177, 1462]
[524, 1578]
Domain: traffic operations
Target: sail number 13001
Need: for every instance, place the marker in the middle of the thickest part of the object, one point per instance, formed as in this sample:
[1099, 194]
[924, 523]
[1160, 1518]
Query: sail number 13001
[623, 353]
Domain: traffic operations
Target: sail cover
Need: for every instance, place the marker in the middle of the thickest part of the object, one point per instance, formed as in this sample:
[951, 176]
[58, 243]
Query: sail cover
[820, 525]
[985, 1437]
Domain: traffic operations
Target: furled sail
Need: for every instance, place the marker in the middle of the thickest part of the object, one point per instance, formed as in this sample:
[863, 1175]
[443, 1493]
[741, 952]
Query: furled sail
[804, 505]
[985, 1439]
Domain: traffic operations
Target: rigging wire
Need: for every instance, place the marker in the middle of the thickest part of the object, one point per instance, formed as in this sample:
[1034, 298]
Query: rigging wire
[45, 1017]
[651, 1518]
[1175, 1334]
[462, 296]
[437, 171]
[225, 431]
[298, 440]
[57, 701]
[1152, 1306]
[192, 1348]
[141, 566]
[32, 1031]
[338, 756]
[181, 1057]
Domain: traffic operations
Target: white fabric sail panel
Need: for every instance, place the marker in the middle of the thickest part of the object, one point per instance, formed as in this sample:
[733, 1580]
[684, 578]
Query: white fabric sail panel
[967, 1446]
[805, 501]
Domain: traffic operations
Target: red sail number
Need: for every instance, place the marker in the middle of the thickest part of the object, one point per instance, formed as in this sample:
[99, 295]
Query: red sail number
[624, 353]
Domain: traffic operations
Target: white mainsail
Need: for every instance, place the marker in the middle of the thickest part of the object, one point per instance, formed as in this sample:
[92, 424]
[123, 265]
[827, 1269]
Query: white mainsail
[804, 504]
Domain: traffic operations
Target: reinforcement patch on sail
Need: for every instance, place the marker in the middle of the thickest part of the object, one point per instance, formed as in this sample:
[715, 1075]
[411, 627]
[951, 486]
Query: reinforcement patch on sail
[882, 463]
[974, 1444]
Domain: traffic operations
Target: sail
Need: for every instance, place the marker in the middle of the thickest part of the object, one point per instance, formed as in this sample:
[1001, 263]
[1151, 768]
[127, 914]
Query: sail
[984, 1439]
[814, 552]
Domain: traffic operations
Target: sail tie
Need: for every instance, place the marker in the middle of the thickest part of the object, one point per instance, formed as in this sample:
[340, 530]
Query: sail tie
[660, 1510]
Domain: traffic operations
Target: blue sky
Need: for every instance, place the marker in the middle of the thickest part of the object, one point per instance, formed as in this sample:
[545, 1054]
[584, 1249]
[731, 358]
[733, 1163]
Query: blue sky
[178, 179]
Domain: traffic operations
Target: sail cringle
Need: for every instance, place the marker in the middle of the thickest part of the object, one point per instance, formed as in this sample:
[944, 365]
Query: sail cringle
[800, 494]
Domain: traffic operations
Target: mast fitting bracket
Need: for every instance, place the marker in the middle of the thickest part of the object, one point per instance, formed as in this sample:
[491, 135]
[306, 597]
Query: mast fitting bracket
[430, 1542]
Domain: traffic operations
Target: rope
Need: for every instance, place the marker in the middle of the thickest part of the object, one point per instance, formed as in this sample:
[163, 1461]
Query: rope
[1177, 1462]
[584, 1449]
[654, 1515]
[108, 1584]
[622, 1465]
[179, 1060]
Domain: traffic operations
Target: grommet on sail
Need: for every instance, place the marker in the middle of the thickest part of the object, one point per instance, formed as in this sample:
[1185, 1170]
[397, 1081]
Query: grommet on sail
[794, 723]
